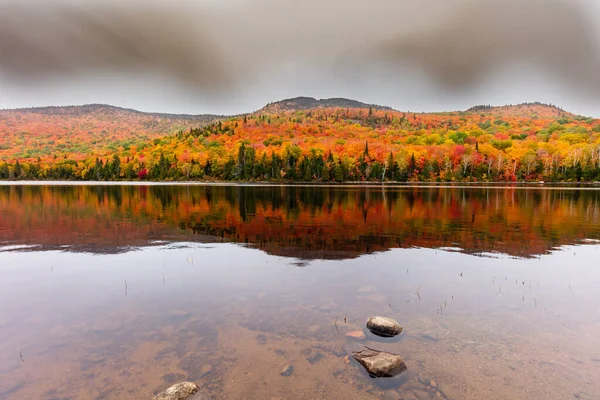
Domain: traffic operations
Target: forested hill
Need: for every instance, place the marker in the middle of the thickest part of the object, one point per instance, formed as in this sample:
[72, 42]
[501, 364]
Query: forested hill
[78, 132]
[284, 142]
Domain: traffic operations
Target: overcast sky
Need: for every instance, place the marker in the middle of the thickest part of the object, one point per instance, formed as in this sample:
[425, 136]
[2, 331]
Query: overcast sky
[234, 56]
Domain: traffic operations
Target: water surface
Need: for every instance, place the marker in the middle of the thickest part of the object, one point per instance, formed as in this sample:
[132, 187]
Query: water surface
[116, 292]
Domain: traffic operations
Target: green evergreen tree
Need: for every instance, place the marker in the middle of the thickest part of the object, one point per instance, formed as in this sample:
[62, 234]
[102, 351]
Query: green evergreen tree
[18, 170]
[389, 172]
[4, 172]
[338, 173]
[240, 167]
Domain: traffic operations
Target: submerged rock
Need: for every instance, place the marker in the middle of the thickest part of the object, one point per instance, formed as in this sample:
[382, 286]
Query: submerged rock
[358, 335]
[380, 364]
[315, 358]
[383, 326]
[287, 370]
[180, 391]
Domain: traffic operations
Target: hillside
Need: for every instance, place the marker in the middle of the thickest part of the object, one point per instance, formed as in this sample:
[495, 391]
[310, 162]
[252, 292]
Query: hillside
[325, 143]
[79, 132]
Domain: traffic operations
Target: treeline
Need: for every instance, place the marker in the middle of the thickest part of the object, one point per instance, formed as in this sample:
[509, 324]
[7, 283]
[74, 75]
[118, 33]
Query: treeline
[295, 166]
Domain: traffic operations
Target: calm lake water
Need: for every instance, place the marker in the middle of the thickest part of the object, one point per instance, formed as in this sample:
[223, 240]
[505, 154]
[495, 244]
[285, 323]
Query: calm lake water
[117, 292]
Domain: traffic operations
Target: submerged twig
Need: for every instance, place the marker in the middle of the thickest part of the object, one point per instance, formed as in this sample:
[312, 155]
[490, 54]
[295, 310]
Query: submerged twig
[21, 355]
[418, 295]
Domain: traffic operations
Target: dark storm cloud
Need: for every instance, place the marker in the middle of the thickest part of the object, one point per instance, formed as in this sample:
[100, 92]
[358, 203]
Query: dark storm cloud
[41, 41]
[478, 37]
[227, 46]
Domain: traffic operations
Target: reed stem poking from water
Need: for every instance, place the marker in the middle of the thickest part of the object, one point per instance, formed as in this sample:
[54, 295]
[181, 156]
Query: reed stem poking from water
[21, 355]
[418, 295]
[125, 287]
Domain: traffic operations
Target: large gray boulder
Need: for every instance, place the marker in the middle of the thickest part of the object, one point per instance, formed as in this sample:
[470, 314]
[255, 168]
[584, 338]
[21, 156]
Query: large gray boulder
[380, 364]
[383, 326]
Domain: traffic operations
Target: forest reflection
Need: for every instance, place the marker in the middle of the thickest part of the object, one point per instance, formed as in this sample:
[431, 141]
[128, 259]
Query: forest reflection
[301, 222]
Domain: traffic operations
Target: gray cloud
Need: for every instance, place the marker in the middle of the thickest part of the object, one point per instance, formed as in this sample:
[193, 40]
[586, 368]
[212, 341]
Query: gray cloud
[235, 47]
[480, 37]
[57, 39]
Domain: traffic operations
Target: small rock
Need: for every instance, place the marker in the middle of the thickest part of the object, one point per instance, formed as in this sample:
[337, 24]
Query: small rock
[180, 391]
[306, 352]
[380, 364]
[205, 370]
[261, 339]
[359, 335]
[433, 384]
[287, 371]
[383, 326]
[315, 358]
[428, 337]
[346, 360]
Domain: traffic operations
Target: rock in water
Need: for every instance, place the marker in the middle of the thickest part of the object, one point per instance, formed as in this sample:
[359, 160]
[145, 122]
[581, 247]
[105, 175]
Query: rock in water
[380, 364]
[287, 371]
[383, 326]
[358, 335]
[181, 391]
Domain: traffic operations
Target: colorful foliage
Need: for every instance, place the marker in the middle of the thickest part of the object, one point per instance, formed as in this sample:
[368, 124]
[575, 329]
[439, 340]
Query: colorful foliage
[530, 142]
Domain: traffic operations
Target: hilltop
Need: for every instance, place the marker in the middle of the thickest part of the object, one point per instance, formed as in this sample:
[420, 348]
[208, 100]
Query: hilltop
[303, 139]
[309, 103]
[532, 110]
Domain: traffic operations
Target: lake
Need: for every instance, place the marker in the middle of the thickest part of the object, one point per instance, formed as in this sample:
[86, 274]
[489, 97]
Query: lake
[119, 291]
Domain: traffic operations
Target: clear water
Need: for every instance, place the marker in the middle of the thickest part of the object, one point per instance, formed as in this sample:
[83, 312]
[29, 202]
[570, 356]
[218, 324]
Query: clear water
[117, 292]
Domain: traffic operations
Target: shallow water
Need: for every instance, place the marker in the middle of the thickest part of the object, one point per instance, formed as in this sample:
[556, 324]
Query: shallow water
[118, 292]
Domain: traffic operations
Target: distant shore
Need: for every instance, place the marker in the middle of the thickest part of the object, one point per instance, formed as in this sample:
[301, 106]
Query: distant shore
[480, 185]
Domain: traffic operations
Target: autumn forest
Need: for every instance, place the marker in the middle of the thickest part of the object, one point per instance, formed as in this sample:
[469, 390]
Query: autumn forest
[529, 142]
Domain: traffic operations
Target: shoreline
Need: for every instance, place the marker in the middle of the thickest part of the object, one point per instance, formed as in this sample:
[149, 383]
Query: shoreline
[424, 185]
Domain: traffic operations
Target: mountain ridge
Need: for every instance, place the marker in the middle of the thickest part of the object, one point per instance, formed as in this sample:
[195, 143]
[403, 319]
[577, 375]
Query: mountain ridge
[301, 103]
[97, 107]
